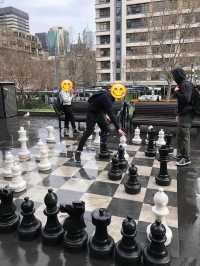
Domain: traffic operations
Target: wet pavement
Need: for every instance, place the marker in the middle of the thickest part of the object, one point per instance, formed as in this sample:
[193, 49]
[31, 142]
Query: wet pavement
[20, 253]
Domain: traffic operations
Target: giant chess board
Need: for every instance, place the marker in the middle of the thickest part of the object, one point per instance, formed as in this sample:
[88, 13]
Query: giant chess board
[89, 182]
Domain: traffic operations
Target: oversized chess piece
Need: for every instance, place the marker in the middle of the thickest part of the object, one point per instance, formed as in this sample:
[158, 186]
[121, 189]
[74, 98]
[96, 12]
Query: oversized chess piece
[161, 138]
[137, 140]
[123, 141]
[147, 136]
[52, 233]
[18, 184]
[131, 184]
[39, 147]
[127, 251]
[104, 153]
[121, 156]
[155, 253]
[24, 154]
[151, 151]
[97, 136]
[9, 162]
[114, 172]
[168, 138]
[51, 137]
[101, 243]
[75, 236]
[163, 178]
[8, 218]
[160, 211]
[29, 227]
[44, 166]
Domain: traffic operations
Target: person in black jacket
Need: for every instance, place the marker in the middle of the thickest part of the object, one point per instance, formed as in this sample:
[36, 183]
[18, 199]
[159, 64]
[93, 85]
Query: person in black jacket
[183, 93]
[99, 109]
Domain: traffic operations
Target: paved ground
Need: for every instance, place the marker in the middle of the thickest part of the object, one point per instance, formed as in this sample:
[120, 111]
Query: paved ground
[188, 202]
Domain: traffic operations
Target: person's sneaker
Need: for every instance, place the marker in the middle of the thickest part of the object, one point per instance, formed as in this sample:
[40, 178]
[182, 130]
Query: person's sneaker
[66, 132]
[183, 161]
[78, 156]
[75, 131]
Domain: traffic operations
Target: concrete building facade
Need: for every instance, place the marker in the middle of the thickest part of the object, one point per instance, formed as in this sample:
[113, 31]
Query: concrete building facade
[129, 34]
[14, 19]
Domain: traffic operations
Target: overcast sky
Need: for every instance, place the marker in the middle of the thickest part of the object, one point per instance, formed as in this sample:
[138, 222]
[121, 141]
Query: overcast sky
[44, 14]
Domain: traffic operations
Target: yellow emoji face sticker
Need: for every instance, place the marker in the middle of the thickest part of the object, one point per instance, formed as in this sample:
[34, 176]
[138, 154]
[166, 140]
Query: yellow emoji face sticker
[118, 91]
[66, 85]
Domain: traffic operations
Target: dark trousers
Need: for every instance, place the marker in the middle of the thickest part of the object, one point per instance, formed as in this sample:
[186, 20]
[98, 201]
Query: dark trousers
[92, 119]
[183, 135]
[69, 117]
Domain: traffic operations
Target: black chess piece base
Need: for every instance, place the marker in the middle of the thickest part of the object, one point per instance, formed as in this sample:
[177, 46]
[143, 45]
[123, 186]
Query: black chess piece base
[123, 165]
[30, 234]
[127, 258]
[132, 189]
[163, 180]
[101, 250]
[52, 239]
[150, 261]
[104, 155]
[9, 226]
[76, 243]
[115, 176]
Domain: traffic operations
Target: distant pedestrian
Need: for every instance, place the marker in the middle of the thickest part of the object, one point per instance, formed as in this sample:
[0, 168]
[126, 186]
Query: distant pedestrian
[183, 93]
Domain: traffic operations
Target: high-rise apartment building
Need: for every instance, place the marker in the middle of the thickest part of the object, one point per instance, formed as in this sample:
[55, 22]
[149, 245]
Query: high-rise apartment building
[58, 41]
[89, 38]
[138, 40]
[14, 19]
[43, 38]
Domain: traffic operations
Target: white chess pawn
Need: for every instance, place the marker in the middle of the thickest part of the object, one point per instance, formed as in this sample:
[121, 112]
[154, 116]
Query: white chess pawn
[40, 145]
[123, 143]
[137, 140]
[18, 184]
[24, 154]
[9, 162]
[161, 138]
[160, 211]
[147, 136]
[97, 136]
[51, 137]
[44, 165]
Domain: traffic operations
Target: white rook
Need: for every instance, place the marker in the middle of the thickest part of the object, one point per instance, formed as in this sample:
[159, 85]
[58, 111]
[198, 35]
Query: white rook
[24, 154]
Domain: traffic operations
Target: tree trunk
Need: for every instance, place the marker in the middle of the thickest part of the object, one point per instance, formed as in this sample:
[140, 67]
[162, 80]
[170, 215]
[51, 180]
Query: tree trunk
[169, 90]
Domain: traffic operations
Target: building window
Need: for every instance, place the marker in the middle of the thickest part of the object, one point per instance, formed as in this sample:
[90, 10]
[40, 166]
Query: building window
[104, 39]
[104, 52]
[118, 76]
[105, 77]
[135, 9]
[135, 50]
[136, 37]
[104, 13]
[105, 65]
[104, 26]
[136, 23]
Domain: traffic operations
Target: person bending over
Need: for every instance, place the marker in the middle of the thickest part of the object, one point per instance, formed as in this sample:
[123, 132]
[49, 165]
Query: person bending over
[100, 106]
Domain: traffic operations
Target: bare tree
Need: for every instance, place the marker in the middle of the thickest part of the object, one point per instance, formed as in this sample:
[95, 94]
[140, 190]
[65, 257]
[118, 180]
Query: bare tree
[168, 35]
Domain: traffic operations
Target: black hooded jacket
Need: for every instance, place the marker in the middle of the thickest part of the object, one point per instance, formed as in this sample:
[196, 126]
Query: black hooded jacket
[184, 95]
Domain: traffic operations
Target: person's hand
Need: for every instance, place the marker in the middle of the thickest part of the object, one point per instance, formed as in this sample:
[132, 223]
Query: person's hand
[177, 89]
[121, 132]
[108, 118]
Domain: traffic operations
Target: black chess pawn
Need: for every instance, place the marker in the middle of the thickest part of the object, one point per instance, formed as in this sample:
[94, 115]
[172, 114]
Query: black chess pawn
[163, 178]
[151, 150]
[30, 227]
[8, 218]
[53, 232]
[168, 138]
[101, 244]
[75, 236]
[122, 161]
[127, 251]
[104, 152]
[114, 172]
[156, 254]
[131, 184]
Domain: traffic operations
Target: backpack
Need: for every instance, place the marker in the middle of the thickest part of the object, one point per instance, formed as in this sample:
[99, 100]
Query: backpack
[196, 100]
[92, 99]
[58, 104]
